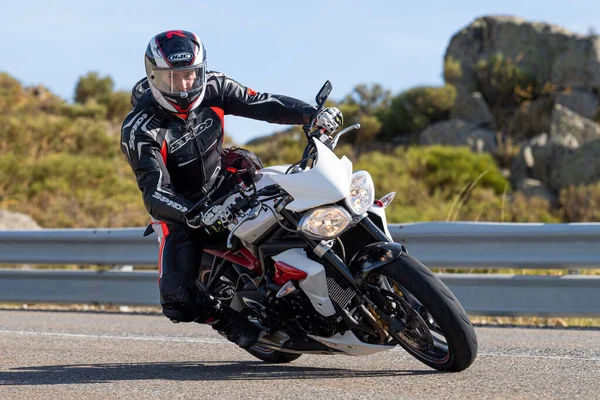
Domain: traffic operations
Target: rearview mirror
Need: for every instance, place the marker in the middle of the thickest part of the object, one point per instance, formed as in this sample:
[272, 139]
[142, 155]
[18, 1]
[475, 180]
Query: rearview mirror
[323, 94]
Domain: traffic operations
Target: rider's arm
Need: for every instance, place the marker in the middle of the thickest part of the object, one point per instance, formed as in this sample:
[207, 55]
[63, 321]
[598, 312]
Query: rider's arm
[244, 102]
[143, 151]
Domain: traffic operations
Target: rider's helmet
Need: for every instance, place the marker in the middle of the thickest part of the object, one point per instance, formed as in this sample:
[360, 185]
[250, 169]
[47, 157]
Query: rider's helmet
[176, 70]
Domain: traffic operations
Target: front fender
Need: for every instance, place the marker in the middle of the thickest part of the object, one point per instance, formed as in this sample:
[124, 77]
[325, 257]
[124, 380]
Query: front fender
[374, 256]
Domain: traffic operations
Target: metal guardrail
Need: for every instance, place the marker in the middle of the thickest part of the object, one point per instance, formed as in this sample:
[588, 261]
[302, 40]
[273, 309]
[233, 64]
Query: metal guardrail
[438, 245]
[502, 245]
[504, 295]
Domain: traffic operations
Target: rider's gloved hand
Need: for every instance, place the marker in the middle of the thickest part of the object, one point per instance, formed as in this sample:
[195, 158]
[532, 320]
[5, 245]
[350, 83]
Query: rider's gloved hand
[195, 222]
[329, 120]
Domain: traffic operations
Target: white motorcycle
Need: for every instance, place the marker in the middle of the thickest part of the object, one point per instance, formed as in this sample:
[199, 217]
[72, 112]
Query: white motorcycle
[309, 258]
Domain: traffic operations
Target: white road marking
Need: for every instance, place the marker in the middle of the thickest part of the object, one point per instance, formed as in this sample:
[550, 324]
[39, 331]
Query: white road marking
[540, 356]
[147, 338]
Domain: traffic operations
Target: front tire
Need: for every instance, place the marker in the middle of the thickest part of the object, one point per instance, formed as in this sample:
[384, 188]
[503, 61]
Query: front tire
[437, 330]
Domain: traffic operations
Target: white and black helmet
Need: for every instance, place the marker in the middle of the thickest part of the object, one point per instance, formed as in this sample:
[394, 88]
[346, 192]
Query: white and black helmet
[176, 70]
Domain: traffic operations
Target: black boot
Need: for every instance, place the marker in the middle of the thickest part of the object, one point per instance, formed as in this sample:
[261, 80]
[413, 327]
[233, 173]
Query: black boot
[237, 328]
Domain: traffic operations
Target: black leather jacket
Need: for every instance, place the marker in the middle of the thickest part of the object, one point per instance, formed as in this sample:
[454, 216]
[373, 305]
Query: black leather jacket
[177, 161]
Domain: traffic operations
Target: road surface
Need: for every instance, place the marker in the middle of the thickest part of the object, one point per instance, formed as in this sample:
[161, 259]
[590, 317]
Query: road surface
[77, 355]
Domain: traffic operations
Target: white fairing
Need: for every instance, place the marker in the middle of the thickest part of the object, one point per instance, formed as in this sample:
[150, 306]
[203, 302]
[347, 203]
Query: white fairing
[315, 284]
[380, 211]
[350, 344]
[327, 182]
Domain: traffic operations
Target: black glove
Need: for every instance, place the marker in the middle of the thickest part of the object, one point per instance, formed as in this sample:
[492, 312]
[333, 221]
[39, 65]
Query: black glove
[195, 222]
[242, 164]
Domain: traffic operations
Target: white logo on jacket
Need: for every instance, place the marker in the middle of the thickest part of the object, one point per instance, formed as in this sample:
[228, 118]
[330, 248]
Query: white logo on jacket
[169, 202]
[179, 143]
[134, 128]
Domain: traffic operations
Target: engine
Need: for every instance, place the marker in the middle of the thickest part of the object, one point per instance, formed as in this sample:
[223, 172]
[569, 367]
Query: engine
[296, 313]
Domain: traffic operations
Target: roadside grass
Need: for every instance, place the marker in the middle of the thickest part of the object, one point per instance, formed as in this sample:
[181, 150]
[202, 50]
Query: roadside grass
[536, 321]
[519, 271]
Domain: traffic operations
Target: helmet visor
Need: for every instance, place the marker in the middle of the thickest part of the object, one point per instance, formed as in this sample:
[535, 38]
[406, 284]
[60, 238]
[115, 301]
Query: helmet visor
[180, 80]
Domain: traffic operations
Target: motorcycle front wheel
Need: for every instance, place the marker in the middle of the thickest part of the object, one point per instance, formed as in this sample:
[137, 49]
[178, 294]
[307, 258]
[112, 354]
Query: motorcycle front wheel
[428, 321]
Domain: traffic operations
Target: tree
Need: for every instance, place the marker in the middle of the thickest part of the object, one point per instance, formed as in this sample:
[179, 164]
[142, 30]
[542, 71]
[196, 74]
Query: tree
[370, 99]
[118, 105]
[369, 128]
[92, 86]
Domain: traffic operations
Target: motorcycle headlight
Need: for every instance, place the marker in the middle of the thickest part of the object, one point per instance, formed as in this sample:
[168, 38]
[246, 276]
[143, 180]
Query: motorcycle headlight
[362, 193]
[325, 222]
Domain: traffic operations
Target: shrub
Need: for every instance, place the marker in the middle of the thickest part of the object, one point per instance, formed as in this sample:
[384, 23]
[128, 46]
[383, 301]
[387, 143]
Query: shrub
[581, 203]
[449, 169]
[498, 77]
[437, 183]
[63, 190]
[414, 109]
[91, 109]
[452, 70]
[534, 209]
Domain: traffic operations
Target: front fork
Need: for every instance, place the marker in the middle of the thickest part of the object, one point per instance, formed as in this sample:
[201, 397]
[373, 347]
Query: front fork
[356, 273]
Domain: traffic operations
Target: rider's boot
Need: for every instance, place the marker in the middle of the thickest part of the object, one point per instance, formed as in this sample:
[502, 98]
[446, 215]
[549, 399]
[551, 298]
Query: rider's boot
[237, 328]
[230, 323]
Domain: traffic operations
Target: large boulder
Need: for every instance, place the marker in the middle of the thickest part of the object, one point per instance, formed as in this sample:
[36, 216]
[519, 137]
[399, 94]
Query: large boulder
[456, 132]
[531, 119]
[582, 102]
[545, 52]
[16, 221]
[573, 109]
[539, 157]
[564, 121]
[474, 109]
[580, 167]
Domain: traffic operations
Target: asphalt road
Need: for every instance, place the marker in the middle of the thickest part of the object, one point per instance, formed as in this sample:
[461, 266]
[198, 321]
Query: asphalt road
[69, 355]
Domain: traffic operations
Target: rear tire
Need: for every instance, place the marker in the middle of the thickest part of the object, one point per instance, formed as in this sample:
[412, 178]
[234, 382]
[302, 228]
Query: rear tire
[445, 317]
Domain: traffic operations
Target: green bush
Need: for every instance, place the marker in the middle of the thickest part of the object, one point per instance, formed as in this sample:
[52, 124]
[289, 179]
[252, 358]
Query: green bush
[436, 183]
[449, 169]
[452, 70]
[46, 134]
[91, 109]
[71, 190]
[415, 109]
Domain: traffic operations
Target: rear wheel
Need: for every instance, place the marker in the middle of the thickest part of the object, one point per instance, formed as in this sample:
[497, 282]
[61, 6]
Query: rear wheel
[427, 319]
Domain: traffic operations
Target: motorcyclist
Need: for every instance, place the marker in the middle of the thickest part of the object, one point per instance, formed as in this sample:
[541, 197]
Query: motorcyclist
[173, 141]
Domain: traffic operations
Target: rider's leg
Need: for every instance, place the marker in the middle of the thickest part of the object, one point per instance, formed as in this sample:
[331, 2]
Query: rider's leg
[183, 300]
[179, 261]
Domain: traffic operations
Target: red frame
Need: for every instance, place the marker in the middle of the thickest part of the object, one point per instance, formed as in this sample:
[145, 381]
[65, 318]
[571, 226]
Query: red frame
[246, 259]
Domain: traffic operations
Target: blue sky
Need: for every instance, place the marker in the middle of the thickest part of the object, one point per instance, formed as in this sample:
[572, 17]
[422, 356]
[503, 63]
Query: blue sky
[281, 47]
